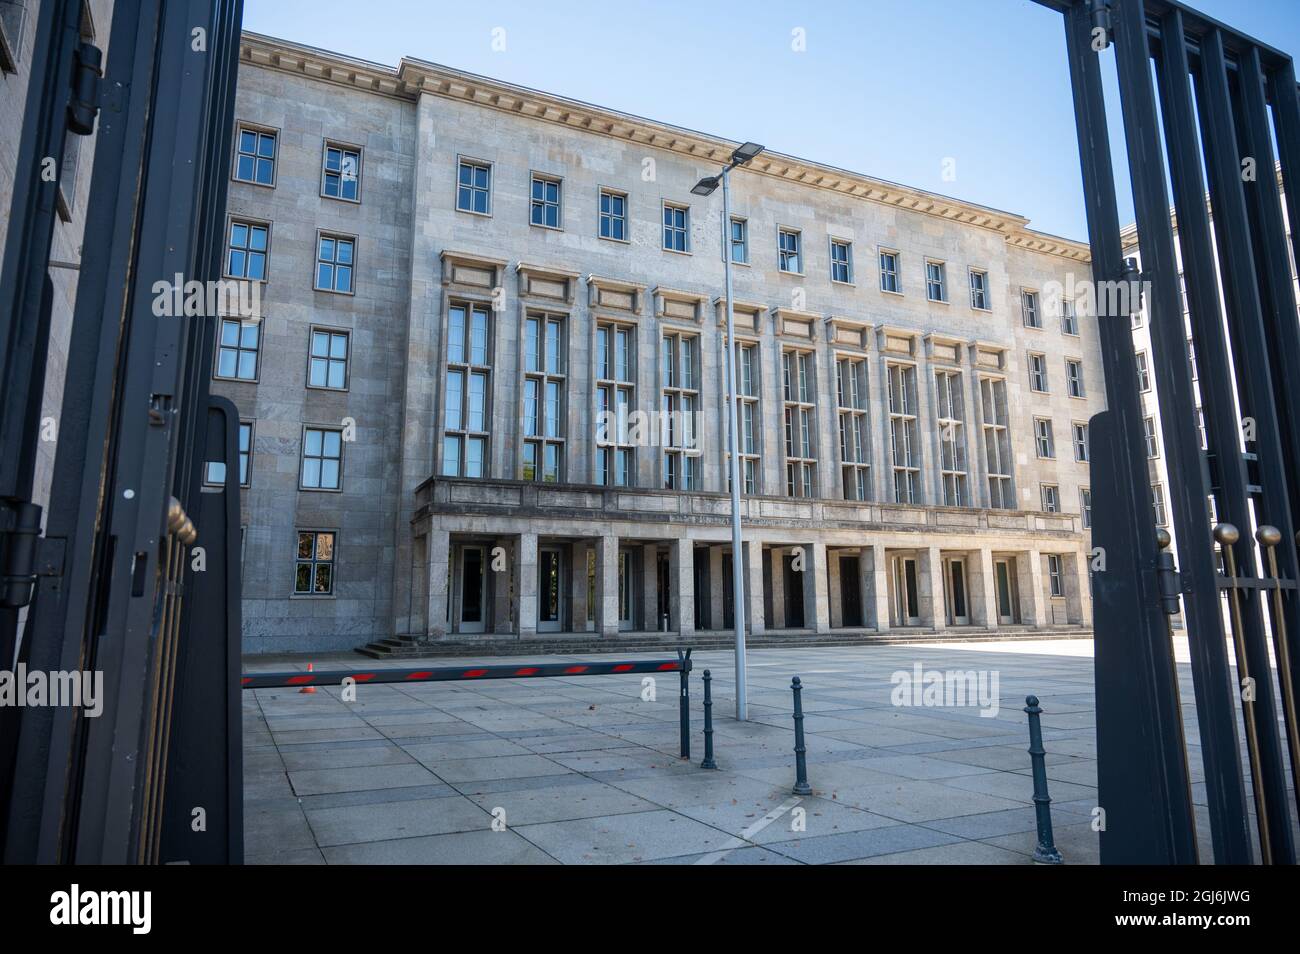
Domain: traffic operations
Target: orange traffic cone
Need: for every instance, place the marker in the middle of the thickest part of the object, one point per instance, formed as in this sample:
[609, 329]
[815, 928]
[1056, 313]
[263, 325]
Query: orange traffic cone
[308, 688]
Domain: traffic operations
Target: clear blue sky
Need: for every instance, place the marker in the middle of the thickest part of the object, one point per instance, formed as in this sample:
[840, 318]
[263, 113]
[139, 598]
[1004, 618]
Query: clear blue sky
[890, 88]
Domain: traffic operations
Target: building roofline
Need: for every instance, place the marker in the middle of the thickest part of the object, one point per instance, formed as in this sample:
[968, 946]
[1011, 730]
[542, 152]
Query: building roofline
[413, 76]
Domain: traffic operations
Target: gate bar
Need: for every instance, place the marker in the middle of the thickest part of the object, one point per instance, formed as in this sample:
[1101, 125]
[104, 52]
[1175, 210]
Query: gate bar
[1245, 321]
[1142, 776]
[1188, 490]
[285, 680]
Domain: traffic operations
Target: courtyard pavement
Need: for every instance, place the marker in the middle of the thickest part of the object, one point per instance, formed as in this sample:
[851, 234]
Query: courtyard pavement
[584, 771]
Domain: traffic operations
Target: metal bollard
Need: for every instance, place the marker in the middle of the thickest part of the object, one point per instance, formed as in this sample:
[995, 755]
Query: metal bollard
[684, 706]
[708, 762]
[1045, 853]
[801, 786]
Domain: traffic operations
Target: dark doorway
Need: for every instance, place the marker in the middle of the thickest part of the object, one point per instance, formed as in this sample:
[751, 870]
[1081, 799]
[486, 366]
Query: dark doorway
[850, 591]
[793, 595]
[702, 589]
[662, 606]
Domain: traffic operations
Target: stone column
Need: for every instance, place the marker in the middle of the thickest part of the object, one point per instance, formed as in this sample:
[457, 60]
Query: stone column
[777, 557]
[930, 580]
[526, 585]
[983, 593]
[816, 602]
[834, 590]
[1082, 566]
[578, 586]
[1071, 581]
[681, 598]
[1032, 601]
[607, 586]
[499, 580]
[875, 586]
[650, 587]
[439, 563]
[753, 561]
[717, 586]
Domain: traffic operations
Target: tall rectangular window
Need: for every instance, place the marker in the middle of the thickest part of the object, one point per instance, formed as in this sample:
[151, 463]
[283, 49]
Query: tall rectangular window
[465, 415]
[950, 415]
[739, 241]
[215, 470]
[677, 221]
[841, 261]
[1144, 373]
[544, 209]
[237, 349]
[314, 572]
[1151, 438]
[245, 453]
[255, 156]
[1085, 507]
[1074, 377]
[979, 290]
[889, 272]
[904, 438]
[1158, 505]
[680, 373]
[613, 215]
[1069, 318]
[1055, 575]
[1044, 441]
[936, 283]
[328, 364]
[334, 263]
[246, 250]
[322, 459]
[615, 388]
[1079, 434]
[997, 443]
[1029, 309]
[789, 249]
[341, 173]
[855, 443]
[545, 377]
[799, 391]
[747, 412]
[1037, 372]
[1051, 498]
[474, 187]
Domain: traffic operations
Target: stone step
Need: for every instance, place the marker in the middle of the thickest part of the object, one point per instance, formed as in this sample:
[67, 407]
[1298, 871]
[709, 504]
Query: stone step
[409, 648]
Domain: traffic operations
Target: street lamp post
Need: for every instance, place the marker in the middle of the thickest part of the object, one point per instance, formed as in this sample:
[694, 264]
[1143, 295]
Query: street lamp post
[706, 186]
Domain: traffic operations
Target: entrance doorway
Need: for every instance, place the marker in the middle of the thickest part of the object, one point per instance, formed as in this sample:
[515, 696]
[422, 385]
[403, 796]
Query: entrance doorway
[907, 597]
[1004, 576]
[850, 591]
[551, 602]
[471, 616]
[954, 591]
[626, 591]
[793, 594]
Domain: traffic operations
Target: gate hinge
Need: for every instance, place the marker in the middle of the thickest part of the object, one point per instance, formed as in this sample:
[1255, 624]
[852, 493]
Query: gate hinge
[87, 69]
[18, 555]
[1102, 26]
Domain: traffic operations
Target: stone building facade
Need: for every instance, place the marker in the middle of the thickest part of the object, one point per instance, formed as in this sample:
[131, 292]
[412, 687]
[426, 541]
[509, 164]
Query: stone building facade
[486, 396]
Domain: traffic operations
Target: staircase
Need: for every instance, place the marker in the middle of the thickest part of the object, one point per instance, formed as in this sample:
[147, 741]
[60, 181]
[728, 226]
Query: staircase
[404, 647]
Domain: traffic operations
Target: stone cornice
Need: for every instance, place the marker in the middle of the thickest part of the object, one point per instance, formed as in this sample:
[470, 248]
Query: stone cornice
[413, 77]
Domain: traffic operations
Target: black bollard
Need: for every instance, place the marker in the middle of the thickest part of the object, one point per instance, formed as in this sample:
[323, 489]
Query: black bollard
[684, 705]
[801, 786]
[1046, 852]
[708, 762]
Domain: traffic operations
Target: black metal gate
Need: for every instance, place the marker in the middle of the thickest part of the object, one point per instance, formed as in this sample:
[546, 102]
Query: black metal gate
[1194, 95]
[136, 575]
